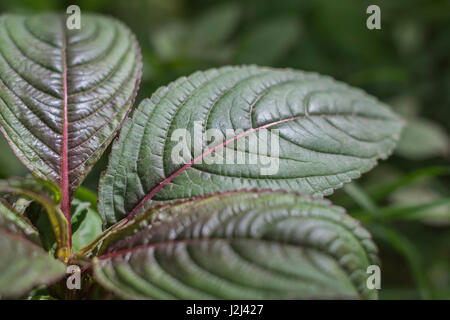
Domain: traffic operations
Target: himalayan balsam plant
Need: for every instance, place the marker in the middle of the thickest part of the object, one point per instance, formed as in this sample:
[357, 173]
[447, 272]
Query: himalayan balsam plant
[194, 230]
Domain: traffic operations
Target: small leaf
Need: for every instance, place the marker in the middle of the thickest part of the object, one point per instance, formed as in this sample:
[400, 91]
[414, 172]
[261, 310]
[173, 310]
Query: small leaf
[9, 164]
[203, 38]
[14, 222]
[424, 202]
[86, 224]
[46, 233]
[23, 264]
[423, 139]
[329, 133]
[239, 245]
[268, 42]
[47, 195]
[87, 195]
[215, 25]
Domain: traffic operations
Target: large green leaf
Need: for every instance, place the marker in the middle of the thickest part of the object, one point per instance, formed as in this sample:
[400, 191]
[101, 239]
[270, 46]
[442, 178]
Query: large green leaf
[23, 264]
[239, 245]
[64, 93]
[329, 133]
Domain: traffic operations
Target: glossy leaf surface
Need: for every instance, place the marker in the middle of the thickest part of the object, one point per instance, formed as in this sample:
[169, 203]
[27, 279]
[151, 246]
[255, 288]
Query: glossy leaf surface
[86, 224]
[64, 93]
[48, 196]
[23, 264]
[329, 133]
[14, 222]
[239, 245]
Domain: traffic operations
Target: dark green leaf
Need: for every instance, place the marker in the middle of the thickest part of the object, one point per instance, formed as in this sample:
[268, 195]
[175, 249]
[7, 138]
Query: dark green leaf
[239, 245]
[329, 133]
[202, 38]
[268, 42]
[47, 195]
[64, 93]
[86, 224]
[14, 222]
[23, 264]
[87, 195]
[423, 139]
[9, 164]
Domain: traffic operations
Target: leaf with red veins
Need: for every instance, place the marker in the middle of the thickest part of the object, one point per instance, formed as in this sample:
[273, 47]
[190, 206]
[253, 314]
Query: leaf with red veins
[65, 93]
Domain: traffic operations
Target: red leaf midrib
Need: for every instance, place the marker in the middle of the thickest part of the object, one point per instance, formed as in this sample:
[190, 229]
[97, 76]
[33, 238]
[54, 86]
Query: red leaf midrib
[190, 164]
[65, 201]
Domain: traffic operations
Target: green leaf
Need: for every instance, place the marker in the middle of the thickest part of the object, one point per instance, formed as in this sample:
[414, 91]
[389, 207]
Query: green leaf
[86, 224]
[239, 245]
[87, 195]
[405, 105]
[64, 93]
[435, 212]
[21, 204]
[409, 179]
[14, 222]
[409, 252]
[23, 264]
[47, 195]
[46, 233]
[9, 164]
[268, 42]
[362, 199]
[423, 139]
[424, 202]
[394, 239]
[216, 25]
[202, 38]
[328, 134]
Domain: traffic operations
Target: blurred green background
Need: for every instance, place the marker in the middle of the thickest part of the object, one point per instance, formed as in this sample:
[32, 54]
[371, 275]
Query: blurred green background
[405, 201]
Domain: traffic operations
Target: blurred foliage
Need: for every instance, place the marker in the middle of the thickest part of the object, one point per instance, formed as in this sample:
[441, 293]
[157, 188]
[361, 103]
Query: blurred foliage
[86, 224]
[404, 202]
